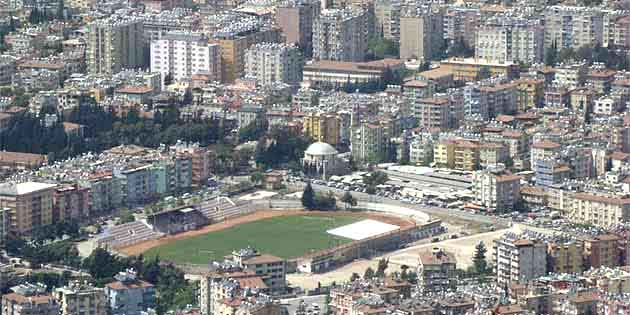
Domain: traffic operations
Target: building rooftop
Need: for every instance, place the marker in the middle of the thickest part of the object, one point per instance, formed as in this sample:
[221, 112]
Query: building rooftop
[13, 189]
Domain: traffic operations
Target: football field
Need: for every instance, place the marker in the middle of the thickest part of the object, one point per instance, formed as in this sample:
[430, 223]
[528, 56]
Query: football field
[284, 236]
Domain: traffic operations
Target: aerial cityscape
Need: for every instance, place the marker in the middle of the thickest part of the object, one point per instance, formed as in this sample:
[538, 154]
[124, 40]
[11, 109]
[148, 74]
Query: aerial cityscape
[314, 157]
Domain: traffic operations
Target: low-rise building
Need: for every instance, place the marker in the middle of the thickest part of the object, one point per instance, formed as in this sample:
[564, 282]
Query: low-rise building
[436, 270]
[28, 299]
[497, 189]
[129, 295]
[78, 298]
[30, 204]
[519, 260]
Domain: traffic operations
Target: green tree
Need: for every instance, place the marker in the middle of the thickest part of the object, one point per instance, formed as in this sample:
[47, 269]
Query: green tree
[348, 199]
[484, 73]
[382, 266]
[168, 79]
[257, 178]
[308, 197]
[369, 273]
[379, 48]
[479, 258]
[551, 55]
[355, 276]
[126, 216]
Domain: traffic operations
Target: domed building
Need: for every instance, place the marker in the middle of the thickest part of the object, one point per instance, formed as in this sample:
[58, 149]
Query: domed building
[322, 160]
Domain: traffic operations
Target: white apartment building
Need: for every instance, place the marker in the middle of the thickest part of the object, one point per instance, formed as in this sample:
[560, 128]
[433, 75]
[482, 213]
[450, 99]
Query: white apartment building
[519, 260]
[495, 189]
[598, 210]
[274, 62]
[573, 27]
[115, 44]
[340, 35]
[80, 298]
[510, 40]
[183, 54]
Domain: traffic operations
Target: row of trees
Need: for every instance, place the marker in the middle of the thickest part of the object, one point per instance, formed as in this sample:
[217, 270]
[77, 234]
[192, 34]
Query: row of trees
[315, 201]
[103, 130]
[588, 53]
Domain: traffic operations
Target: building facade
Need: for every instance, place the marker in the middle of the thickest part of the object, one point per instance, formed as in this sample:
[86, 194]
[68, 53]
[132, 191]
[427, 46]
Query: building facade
[421, 35]
[340, 35]
[267, 63]
[183, 54]
[30, 204]
[115, 44]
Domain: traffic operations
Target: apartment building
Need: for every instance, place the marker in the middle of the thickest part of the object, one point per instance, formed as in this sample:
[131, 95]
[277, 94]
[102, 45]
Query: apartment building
[296, 19]
[7, 69]
[273, 268]
[369, 141]
[510, 40]
[129, 295]
[601, 251]
[461, 24]
[30, 204]
[432, 113]
[421, 34]
[599, 210]
[234, 41]
[267, 63]
[28, 299]
[496, 189]
[436, 270]
[226, 283]
[387, 14]
[573, 27]
[183, 54]
[519, 260]
[71, 202]
[544, 150]
[499, 98]
[114, 44]
[105, 192]
[81, 298]
[621, 32]
[444, 153]
[323, 127]
[421, 150]
[340, 35]
[565, 257]
[5, 215]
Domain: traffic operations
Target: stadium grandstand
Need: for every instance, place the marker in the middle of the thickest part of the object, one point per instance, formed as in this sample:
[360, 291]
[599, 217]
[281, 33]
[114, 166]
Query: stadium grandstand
[223, 208]
[177, 220]
[127, 234]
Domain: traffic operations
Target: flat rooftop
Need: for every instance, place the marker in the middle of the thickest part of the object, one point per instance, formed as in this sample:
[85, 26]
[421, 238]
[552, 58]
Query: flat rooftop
[363, 229]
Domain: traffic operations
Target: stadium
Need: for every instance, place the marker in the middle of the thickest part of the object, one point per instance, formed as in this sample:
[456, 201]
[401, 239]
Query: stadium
[312, 241]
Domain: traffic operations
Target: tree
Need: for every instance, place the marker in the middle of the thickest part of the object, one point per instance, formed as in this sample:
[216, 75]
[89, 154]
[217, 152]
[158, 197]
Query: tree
[308, 197]
[60, 10]
[257, 178]
[484, 73]
[382, 266]
[369, 273]
[126, 216]
[479, 258]
[168, 79]
[355, 276]
[348, 199]
[551, 55]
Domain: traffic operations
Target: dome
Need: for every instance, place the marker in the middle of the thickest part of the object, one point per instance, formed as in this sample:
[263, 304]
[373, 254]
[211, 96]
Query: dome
[320, 148]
